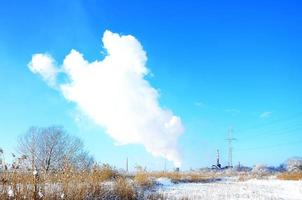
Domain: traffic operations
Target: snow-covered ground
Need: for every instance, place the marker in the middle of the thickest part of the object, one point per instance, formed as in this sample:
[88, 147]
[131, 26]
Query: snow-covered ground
[232, 189]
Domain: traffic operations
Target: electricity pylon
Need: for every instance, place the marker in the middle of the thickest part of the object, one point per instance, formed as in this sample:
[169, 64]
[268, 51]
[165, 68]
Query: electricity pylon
[230, 139]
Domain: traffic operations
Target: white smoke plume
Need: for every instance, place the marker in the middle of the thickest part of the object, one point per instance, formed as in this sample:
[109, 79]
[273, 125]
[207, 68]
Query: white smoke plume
[114, 93]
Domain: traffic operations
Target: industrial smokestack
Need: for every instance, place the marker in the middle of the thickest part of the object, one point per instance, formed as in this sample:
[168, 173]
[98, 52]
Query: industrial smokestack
[218, 157]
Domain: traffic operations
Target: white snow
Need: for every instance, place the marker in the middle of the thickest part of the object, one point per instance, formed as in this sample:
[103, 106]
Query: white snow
[231, 189]
[164, 182]
[40, 194]
[10, 192]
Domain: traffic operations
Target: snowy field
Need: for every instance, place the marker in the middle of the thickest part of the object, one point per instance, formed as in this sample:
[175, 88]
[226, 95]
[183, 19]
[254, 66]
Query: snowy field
[232, 189]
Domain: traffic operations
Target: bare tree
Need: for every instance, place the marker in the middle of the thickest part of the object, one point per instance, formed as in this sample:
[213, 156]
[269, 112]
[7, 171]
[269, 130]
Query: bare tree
[51, 148]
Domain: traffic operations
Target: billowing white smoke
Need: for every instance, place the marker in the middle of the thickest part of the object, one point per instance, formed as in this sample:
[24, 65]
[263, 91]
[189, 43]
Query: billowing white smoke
[114, 93]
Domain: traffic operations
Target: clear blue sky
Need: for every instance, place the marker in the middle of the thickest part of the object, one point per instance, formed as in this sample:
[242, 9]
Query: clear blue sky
[216, 64]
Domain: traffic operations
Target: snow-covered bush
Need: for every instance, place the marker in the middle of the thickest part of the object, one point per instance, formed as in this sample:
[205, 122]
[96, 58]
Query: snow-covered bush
[294, 164]
[260, 168]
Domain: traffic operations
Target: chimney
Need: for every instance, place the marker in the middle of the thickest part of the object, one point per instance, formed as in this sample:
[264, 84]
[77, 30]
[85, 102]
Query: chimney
[218, 163]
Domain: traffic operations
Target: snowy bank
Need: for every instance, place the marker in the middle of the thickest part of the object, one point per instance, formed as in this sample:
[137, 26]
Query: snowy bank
[232, 190]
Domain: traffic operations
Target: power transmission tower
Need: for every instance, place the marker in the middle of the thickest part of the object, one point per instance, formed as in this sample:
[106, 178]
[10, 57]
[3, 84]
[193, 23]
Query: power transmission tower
[230, 139]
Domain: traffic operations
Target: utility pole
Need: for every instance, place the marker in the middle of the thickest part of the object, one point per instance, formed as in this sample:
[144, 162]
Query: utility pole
[230, 139]
[2, 163]
[127, 165]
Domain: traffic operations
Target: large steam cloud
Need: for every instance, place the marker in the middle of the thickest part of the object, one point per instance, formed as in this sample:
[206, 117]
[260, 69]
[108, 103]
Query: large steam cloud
[114, 93]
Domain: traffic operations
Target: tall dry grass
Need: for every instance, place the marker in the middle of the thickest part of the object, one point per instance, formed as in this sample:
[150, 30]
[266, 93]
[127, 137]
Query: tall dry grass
[143, 179]
[124, 190]
[66, 184]
[290, 176]
[190, 177]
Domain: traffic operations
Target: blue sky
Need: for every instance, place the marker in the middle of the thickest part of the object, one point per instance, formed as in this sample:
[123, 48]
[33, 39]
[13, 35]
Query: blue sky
[216, 64]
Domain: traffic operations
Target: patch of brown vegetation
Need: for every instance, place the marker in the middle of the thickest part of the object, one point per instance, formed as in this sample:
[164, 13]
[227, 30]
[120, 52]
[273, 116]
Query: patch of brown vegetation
[124, 190]
[290, 176]
[143, 179]
[192, 177]
[68, 183]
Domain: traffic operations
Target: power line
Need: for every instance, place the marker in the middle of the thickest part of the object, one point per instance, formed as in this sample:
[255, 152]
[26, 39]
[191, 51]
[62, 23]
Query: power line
[284, 132]
[271, 146]
[294, 116]
[280, 131]
[290, 129]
